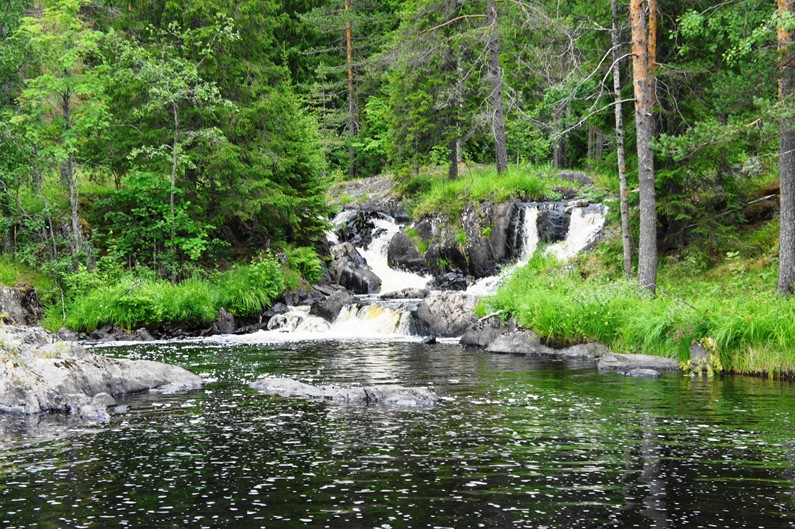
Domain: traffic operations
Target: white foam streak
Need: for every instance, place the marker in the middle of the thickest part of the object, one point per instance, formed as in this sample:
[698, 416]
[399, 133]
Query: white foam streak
[586, 223]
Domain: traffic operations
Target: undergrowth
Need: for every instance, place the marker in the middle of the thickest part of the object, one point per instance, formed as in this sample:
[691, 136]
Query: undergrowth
[733, 302]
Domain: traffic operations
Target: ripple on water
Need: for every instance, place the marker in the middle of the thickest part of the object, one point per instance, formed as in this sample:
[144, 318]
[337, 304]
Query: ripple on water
[515, 442]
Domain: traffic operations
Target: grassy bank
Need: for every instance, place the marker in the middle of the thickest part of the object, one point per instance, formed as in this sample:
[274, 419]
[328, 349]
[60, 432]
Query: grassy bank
[730, 304]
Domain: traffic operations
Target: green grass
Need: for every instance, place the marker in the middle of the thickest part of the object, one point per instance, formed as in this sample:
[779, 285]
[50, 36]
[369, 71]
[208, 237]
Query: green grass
[13, 273]
[135, 301]
[733, 304]
[433, 194]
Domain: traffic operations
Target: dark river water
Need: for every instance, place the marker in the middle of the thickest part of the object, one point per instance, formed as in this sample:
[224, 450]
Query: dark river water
[514, 442]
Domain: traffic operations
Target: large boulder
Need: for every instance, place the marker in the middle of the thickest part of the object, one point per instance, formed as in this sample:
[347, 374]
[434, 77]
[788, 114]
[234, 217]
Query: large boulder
[553, 221]
[20, 305]
[386, 394]
[447, 313]
[39, 373]
[403, 255]
[330, 307]
[486, 331]
[349, 269]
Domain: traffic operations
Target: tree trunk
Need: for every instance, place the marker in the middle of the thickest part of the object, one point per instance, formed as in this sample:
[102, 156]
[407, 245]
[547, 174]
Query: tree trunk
[558, 148]
[452, 171]
[622, 165]
[498, 123]
[653, 51]
[644, 125]
[174, 147]
[351, 101]
[786, 275]
[68, 177]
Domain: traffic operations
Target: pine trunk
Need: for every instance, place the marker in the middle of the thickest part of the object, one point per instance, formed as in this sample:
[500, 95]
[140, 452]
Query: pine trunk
[644, 126]
[69, 178]
[622, 165]
[498, 124]
[786, 277]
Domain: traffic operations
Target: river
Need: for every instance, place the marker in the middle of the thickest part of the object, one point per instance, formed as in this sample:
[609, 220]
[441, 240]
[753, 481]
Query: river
[514, 442]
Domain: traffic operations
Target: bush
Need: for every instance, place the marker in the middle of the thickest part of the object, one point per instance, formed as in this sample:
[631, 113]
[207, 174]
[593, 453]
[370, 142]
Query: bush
[250, 289]
[305, 260]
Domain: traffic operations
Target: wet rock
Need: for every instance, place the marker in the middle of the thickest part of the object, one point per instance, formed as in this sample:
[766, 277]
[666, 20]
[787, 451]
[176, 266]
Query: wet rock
[349, 269]
[330, 307]
[278, 308]
[387, 394]
[358, 230]
[68, 335]
[447, 313]
[142, 335]
[402, 254]
[374, 194]
[518, 342]
[20, 305]
[225, 322]
[699, 358]
[626, 363]
[485, 332]
[40, 373]
[407, 293]
[553, 221]
[428, 340]
[450, 281]
[648, 373]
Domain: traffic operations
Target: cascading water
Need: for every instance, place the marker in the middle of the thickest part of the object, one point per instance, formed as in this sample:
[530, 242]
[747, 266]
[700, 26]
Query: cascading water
[583, 226]
[375, 253]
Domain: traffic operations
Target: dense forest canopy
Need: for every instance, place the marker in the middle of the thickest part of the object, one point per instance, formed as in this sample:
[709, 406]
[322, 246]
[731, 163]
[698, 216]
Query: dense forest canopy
[173, 136]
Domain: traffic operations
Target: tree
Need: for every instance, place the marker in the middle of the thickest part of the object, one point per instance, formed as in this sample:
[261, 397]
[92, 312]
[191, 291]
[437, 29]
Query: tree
[786, 277]
[622, 164]
[495, 72]
[644, 126]
[63, 101]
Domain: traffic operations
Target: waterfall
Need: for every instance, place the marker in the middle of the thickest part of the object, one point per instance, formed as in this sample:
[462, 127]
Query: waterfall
[585, 225]
[376, 253]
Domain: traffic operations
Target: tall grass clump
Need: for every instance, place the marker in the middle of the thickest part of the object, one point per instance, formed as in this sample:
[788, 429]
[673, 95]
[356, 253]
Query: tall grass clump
[433, 194]
[139, 301]
[246, 290]
[752, 328]
[305, 260]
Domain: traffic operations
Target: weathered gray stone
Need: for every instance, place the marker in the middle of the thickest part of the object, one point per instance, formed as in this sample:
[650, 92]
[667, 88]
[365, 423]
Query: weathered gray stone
[39, 373]
[20, 305]
[407, 293]
[626, 363]
[650, 373]
[518, 342]
[349, 269]
[225, 322]
[386, 394]
[699, 358]
[485, 332]
[447, 313]
[330, 307]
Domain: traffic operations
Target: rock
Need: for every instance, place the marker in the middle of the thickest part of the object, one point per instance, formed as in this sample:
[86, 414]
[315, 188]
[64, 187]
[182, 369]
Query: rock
[699, 358]
[143, 335]
[370, 194]
[428, 340]
[553, 221]
[407, 293]
[626, 363]
[358, 229]
[330, 307]
[650, 373]
[68, 335]
[20, 305]
[403, 255]
[225, 322]
[447, 313]
[500, 239]
[349, 269]
[278, 308]
[387, 394]
[450, 281]
[485, 332]
[518, 342]
[39, 373]
[575, 176]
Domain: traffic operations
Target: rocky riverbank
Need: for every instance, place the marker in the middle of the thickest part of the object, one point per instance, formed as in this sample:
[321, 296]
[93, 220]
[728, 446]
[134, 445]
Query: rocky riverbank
[39, 373]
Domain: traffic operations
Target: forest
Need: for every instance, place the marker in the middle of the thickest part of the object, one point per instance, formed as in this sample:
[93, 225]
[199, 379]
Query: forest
[185, 149]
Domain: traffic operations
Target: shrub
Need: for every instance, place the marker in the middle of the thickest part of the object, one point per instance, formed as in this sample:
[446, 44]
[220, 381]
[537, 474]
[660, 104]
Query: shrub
[305, 260]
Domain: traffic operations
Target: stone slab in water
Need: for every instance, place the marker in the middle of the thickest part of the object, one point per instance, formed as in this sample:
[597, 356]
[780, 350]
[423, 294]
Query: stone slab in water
[39, 373]
[626, 363]
[447, 313]
[529, 343]
[386, 394]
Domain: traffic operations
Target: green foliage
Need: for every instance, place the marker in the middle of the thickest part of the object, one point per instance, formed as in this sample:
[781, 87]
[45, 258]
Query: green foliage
[130, 301]
[435, 194]
[250, 289]
[733, 305]
[306, 261]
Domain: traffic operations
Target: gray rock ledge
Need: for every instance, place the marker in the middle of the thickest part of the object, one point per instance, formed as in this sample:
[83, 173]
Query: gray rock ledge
[386, 394]
[39, 373]
[628, 363]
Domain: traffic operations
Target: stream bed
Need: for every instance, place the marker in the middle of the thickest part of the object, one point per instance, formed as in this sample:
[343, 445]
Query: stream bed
[514, 442]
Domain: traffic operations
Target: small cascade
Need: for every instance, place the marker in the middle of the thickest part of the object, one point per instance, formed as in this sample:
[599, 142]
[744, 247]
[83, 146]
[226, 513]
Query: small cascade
[373, 319]
[585, 225]
[569, 227]
[375, 253]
